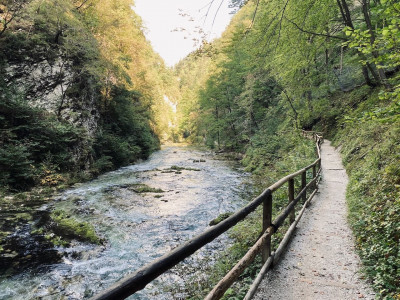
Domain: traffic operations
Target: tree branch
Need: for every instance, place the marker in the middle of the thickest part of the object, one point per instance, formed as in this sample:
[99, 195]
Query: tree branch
[280, 23]
[264, 31]
[216, 13]
[315, 33]
[10, 15]
[255, 13]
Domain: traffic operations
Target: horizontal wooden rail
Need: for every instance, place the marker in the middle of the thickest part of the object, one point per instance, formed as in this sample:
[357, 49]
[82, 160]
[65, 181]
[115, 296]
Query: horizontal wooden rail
[219, 290]
[285, 179]
[148, 273]
[286, 211]
[139, 279]
[274, 257]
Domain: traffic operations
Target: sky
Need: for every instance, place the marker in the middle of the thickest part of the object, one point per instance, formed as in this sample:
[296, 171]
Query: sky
[176, 27]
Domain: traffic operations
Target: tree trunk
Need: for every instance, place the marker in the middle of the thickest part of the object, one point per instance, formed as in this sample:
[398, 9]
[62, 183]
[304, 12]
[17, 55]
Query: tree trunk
[375, 54]
[296, 115]
[345, 11]
[309, 100]
[366, 76]
[217, 116]
[253, 119]
[374, 74]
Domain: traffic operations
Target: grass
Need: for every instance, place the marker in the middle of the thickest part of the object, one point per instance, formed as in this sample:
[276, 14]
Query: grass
[371, 154]
[178, 170]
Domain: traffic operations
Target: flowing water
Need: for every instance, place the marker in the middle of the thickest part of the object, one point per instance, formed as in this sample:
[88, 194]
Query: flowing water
[138, 227]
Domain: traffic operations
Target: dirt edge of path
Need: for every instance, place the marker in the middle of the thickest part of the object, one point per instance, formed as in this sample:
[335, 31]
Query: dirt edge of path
[320, 262]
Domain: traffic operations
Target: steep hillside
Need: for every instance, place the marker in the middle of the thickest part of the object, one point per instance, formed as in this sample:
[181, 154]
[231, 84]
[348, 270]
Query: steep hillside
[328, 66]
[81, 90]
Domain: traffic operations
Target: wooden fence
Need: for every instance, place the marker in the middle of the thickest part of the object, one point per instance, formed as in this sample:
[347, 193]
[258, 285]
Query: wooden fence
[139, 279]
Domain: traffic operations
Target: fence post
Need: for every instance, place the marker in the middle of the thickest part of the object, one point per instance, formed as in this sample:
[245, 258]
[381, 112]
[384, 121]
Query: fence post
[303, 185]
[291, 198]
[267, 219]
[314, 174]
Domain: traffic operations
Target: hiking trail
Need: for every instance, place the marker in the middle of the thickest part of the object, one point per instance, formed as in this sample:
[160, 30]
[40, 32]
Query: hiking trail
[320, 261]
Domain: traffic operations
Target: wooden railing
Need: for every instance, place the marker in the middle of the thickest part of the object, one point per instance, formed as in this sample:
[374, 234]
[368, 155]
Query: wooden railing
[139, 279]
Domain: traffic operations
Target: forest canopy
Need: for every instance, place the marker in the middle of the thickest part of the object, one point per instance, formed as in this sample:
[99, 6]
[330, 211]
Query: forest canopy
[331, 66]
[84, 70]
[82, 92]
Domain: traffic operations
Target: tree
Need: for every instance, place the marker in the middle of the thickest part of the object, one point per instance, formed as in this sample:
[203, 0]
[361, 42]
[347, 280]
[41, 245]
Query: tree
[9, 10]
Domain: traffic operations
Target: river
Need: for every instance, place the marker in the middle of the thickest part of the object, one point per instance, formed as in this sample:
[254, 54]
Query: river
[137, 227]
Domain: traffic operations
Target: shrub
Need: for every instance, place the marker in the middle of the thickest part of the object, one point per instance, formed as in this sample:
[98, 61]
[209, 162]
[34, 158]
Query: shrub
[31, 139]
[125, 134]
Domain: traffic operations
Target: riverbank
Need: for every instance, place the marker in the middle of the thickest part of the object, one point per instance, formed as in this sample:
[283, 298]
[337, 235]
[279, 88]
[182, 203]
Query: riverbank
[285, 153]
[30, 230]
[141, 212]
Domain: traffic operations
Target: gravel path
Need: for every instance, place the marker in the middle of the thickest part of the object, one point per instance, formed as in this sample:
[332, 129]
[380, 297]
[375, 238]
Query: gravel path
[320, 262]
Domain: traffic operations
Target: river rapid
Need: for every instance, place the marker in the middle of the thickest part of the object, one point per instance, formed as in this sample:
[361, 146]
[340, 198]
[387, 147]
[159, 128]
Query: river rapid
[138, 227]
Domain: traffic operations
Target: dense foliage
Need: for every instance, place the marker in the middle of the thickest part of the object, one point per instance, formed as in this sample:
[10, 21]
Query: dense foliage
[85, 90]
[371, 155]
[324, 65]
[281, 66]
[124, 136]
[34, 144]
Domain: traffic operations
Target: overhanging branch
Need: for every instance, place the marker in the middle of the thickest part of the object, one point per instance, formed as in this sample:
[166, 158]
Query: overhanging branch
[315, 33]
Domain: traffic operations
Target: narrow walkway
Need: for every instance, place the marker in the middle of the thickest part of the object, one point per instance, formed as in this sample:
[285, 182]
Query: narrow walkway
[320, 262]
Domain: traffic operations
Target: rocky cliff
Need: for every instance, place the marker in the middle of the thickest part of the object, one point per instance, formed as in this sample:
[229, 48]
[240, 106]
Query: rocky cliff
[58, 88]
[67, 101]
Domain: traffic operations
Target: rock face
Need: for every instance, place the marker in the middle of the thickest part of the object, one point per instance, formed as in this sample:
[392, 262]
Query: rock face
[58, 86]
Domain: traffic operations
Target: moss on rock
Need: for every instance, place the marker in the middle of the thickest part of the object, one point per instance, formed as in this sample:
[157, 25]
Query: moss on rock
[142, 188]
[67, 227]
[220, 218]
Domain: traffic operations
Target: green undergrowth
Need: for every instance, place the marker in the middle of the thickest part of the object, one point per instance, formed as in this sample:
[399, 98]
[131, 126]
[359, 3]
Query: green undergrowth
[371, 154]
[36, 148]
[287, 152]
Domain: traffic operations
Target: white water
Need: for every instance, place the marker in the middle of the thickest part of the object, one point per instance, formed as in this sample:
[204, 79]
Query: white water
[137, 227]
